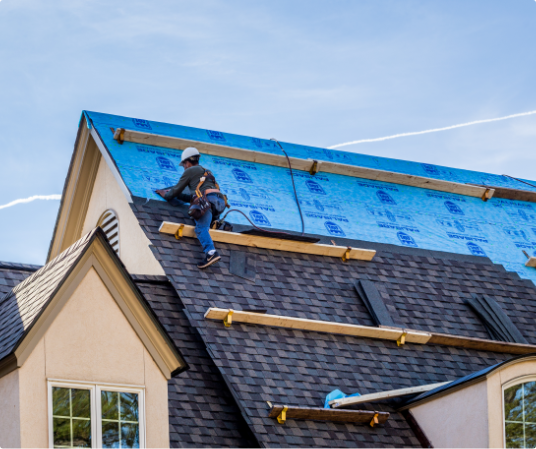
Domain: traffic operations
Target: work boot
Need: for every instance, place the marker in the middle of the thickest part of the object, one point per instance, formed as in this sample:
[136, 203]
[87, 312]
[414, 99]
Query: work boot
[209, 260]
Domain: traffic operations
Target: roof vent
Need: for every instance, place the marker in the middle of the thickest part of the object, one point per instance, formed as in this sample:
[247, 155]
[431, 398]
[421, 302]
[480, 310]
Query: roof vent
[110, 225]
[498, 324]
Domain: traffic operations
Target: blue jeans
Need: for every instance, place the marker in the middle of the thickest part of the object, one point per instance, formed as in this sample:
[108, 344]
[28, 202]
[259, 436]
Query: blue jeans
[203, 224]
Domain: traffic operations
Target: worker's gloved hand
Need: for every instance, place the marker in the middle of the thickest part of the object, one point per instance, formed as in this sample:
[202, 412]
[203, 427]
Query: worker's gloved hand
[162, 192]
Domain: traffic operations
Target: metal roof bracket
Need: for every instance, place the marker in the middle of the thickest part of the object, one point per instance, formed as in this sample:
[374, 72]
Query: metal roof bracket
[228, 320]
[487, 194]
[119, 135]
[314, 168]
[282, 417]
[374, 420]
[178, 233]
[402, 339]
[346, 255]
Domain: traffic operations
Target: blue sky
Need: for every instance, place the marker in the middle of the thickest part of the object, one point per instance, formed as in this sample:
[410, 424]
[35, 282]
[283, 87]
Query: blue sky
[311, 72]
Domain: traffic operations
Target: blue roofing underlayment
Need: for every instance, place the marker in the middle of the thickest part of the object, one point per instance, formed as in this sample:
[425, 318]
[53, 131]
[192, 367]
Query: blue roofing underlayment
[337, 205]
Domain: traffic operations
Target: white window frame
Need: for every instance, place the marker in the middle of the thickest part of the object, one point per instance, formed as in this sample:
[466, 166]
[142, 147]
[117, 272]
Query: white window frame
[96, 418]
[505, 386]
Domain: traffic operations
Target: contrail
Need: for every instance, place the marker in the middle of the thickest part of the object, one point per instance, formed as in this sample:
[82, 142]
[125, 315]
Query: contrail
[461, 125]
[29, 200]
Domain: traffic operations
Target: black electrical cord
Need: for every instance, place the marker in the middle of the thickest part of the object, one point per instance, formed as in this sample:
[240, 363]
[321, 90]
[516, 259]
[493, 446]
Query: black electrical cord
[528, 183]
[222, 219]
[293, 186]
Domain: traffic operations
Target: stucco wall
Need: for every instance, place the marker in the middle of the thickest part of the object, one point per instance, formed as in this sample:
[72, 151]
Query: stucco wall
[459, 419]
[9, 410]
[91, 341]
[134, 245]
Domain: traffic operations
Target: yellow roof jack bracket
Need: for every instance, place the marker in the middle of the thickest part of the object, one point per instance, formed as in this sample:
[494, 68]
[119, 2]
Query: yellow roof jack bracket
[282, 417]
[178, 233]
[487, 194]
[346, 255]
[374, 420]
[402, 339]
[228, 319]
[314, 168]
[119, 135]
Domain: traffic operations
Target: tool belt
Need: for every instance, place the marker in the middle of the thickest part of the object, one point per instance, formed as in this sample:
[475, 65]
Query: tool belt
[199, 204]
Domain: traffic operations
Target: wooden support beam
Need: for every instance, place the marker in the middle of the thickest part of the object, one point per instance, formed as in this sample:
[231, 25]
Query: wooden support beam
[531, 262]
[327, 414]
[356, 330]
[272, 243]
[304, 164]
[512, 194]
[383, 333]
[481, 344]
[345, 402]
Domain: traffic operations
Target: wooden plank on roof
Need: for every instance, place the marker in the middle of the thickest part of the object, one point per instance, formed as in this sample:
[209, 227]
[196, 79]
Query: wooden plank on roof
[345, 402]
[512, 194]
[327, 414]
[330, 327]
[383, 333]
[304, 164]
[481, 344]
[271, 243]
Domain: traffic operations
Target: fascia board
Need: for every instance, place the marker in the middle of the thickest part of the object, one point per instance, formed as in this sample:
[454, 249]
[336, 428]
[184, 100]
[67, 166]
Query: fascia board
[111, 164]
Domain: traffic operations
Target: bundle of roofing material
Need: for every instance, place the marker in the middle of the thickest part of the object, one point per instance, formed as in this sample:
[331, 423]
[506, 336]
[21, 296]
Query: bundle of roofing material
[370, 295]
[498, 324]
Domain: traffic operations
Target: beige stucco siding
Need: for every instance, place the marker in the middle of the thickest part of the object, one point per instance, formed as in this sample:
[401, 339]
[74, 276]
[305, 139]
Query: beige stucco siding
[134, 245]
[91, 341]
[459, 419]
[9, 410]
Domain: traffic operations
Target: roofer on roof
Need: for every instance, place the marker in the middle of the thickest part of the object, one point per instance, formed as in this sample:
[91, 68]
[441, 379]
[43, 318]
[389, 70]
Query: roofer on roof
[206, 204]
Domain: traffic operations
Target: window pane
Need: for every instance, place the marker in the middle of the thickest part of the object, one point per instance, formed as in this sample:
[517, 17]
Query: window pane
[530, 435]
[130, 435]
[81, 433]
[110, 405]
[110, 434]
[514, 435]
[60, 402]
[530, 402]
[81, 403]
[129, 407]
[62, 432]
[513, 403]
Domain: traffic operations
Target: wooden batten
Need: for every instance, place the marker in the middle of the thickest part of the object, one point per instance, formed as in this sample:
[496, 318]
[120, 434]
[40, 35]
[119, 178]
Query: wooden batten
[481, 344]
[399, 335]
[345, 402]
[304, 164]
[512, 194]
[327, 414]
[531, 262]
[271, 243]
[355, 330]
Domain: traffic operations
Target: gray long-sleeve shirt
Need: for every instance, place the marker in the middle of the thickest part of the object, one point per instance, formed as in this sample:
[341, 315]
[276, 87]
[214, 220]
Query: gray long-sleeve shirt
[190, 178]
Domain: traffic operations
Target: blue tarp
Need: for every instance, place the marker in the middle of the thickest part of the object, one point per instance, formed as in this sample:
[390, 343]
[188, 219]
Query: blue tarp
[336, 205]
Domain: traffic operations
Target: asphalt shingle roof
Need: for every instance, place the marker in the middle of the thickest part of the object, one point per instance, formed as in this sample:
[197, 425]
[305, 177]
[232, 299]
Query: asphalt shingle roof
[22, 304]
[425, 290]
[202, 412]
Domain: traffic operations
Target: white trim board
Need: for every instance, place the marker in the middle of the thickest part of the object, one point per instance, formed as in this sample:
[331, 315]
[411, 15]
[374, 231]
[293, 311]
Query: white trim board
[111, 164]
[337, 403]
[304, 164]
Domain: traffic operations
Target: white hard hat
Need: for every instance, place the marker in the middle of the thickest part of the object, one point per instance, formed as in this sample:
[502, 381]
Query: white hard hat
[188, 153]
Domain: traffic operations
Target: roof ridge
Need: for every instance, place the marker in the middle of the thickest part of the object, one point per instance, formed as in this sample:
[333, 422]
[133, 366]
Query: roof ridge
[19, 266]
